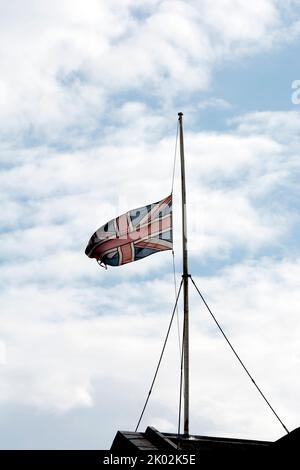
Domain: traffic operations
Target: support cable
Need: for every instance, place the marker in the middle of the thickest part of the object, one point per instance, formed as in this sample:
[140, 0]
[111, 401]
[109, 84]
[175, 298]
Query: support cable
[160, 359]
[238, 358]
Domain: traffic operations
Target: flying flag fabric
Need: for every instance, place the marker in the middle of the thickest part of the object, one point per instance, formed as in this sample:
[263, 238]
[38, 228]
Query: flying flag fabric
[132, 236]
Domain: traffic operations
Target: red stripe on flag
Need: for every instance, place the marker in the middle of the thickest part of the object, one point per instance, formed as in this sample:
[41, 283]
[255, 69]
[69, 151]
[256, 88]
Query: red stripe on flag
[126, 251]
[155, 227]
[154, 246]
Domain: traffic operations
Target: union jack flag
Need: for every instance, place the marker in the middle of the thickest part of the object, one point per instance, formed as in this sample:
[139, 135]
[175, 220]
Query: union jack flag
[134, 235]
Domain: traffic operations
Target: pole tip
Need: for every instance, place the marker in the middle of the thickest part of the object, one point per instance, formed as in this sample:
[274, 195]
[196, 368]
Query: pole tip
[180, 114]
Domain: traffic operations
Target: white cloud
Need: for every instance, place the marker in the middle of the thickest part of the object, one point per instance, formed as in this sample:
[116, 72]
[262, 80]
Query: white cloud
[2, 353]
[229, 174]
[214, 103]
[247, 22]
[55, 364]
[95, 77]
[67, 305]
[282, 124]
[63, 68]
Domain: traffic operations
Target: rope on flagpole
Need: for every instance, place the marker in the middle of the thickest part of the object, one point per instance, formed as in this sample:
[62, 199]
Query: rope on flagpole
[160, 358]
[177, 314]
[174, 160]
[173, 252]
[238, 357]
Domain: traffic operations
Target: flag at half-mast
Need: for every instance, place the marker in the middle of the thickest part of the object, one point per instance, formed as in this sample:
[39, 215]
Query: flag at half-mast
[132, 236]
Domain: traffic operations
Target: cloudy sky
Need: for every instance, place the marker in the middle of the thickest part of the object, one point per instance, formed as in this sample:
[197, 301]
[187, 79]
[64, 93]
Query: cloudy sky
[89, 95]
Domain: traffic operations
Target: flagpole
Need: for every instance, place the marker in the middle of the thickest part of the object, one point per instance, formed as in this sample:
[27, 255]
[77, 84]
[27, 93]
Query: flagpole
[185, 276]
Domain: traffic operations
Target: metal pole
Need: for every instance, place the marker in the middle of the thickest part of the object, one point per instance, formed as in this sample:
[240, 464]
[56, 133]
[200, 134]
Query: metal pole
[185, 276]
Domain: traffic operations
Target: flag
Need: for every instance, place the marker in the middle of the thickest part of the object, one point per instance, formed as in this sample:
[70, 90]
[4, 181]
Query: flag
[132, 236]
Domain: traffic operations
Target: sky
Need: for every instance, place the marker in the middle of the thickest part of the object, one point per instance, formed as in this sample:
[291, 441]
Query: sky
[89, 96]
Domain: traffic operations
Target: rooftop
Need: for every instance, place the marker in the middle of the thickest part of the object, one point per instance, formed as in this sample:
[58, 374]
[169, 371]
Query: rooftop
[153, 441]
